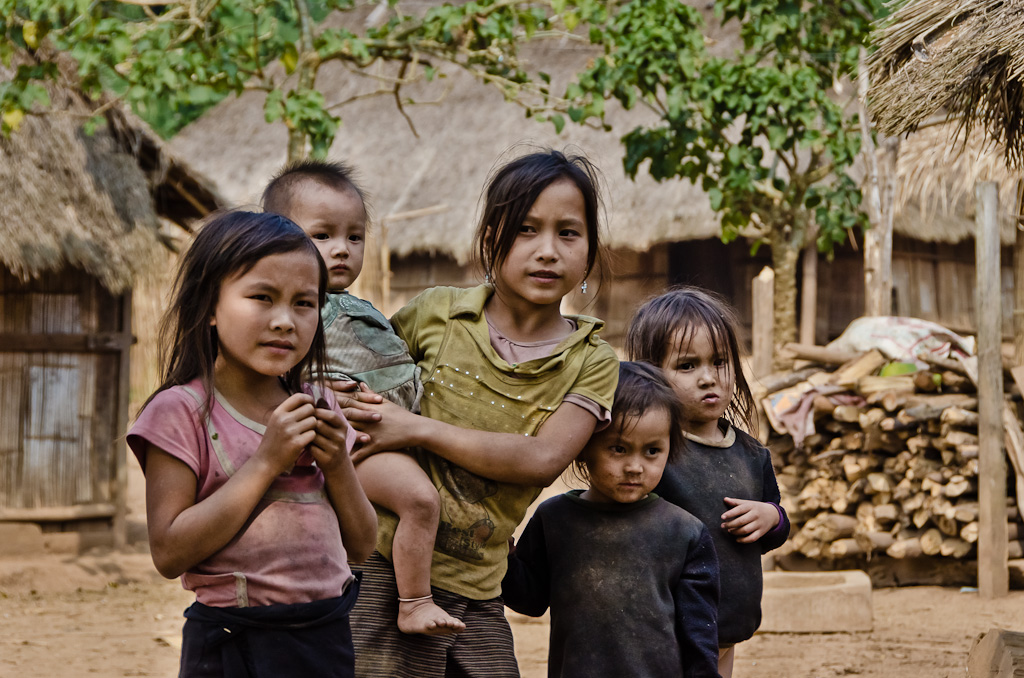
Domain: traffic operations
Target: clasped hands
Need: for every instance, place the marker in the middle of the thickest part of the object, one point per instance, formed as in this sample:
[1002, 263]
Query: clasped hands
[382, 426]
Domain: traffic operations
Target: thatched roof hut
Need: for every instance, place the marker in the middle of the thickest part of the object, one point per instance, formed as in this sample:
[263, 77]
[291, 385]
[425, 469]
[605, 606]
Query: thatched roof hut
[96, 201]
[934, 187]
[83, 220]
[441, 167]
[963, 58]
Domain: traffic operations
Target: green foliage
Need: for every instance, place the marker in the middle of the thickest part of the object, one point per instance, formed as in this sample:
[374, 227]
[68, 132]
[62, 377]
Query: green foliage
[171, 62]
[762, 131]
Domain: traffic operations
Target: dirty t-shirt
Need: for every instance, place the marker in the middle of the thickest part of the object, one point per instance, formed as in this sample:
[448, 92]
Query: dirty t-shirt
[633, 588]
[290, 549]
[468, 384]
[699, 480]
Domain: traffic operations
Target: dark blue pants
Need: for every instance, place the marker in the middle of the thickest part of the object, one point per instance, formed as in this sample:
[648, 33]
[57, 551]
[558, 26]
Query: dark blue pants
[279, 641]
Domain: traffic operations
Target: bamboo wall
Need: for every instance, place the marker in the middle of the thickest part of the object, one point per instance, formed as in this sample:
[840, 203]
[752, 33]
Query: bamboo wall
[61, 340]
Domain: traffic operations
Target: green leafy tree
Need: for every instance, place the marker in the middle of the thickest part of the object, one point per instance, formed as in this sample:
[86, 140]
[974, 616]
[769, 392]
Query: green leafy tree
[173, 60]
[763, 131]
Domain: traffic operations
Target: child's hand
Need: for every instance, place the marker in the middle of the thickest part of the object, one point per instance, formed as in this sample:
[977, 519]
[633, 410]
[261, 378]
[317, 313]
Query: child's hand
[329, 447]
[392, 429]
[356, 401]
[291, 428]
[749, 520]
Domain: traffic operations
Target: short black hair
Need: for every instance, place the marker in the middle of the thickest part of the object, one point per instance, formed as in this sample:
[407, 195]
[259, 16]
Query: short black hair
[642, 388]
[336, 175]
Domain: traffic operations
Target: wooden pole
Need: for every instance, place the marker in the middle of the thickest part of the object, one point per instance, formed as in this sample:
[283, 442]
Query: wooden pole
[809, 292]
[763, 327]
[119, 492]
[878, 238]
[1018, 282]
[993, 573]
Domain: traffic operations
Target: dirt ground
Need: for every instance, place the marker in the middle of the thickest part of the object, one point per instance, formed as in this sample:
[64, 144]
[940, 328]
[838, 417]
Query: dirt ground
[110, 614]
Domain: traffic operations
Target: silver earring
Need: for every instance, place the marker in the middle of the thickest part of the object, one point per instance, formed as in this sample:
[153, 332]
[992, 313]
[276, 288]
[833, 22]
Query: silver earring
[583, 287]
[487, 277]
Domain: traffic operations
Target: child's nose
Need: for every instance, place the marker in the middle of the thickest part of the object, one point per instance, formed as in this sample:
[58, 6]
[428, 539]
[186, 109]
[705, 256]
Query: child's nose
[546, 246]
[634, 466]
[282, 320]
[339, 248]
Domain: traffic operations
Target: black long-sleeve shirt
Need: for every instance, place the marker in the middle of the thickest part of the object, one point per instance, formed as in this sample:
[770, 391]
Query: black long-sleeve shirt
[699, 480]
[633, 588]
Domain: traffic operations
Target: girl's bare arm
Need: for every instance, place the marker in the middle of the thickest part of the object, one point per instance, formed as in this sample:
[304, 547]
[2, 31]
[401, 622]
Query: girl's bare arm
[505, 457]
[184, 533]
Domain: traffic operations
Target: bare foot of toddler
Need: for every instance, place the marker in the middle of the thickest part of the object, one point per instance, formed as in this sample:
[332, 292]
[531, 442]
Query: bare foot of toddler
[423, 616]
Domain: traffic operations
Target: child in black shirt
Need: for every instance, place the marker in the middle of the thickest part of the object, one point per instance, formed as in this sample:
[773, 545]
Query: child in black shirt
[631, 580]
[724, 476]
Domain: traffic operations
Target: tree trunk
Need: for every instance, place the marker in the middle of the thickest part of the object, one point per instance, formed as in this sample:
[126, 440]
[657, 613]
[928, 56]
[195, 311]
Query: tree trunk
[785, 256]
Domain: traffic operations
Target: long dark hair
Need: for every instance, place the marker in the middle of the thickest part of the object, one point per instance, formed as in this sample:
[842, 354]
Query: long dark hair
[685, 310]
[642, 388]
[511, 191]
[230, 243]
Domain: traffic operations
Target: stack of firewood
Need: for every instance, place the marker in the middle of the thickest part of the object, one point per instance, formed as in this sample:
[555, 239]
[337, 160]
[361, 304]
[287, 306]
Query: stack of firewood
[894, 474]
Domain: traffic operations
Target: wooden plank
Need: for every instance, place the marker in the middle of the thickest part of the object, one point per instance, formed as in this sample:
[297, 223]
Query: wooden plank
[100, 342]
[57, 514]
[119, 489]
[819, 354]
[763, 295]
[993, 573]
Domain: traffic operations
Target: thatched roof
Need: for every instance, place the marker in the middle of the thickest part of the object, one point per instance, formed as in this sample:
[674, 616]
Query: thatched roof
[92, 202]
[442, 171]
[964, 58]
[935, 179]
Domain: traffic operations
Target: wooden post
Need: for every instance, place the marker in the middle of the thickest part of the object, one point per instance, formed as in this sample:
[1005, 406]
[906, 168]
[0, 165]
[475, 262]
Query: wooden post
[993, 573]
[763, 327]
[809, 292]
[1018, 281]
[878, 238]
[124, 382]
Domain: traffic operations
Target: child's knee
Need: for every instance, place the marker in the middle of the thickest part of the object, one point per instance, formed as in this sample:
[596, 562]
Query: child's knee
[420, 503]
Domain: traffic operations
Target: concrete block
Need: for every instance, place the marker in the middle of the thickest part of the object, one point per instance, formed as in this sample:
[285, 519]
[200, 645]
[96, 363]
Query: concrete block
[816, 602]
[19, 539]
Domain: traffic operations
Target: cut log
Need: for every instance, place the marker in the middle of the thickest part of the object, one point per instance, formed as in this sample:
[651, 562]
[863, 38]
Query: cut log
[905, 548]
[954, 547]
[920, 443]
[817, 354]
[846, 413]
[848, 374]
[873, 542]
[848, 546]
[957, 486]
[869, 385]
[969, 532]
[931, 541]
[955, 439]
[954, 381]
[926, 381]
[778, 381]
[886, 514]
[966, 512]
[880, 483]
[957, 416]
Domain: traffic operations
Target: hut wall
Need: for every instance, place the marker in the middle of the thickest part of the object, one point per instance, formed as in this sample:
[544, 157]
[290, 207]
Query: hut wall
[936, 281]
[931, 281]
[61, 343]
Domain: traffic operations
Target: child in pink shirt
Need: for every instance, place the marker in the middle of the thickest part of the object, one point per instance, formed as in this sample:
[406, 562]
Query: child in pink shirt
[251, 495]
